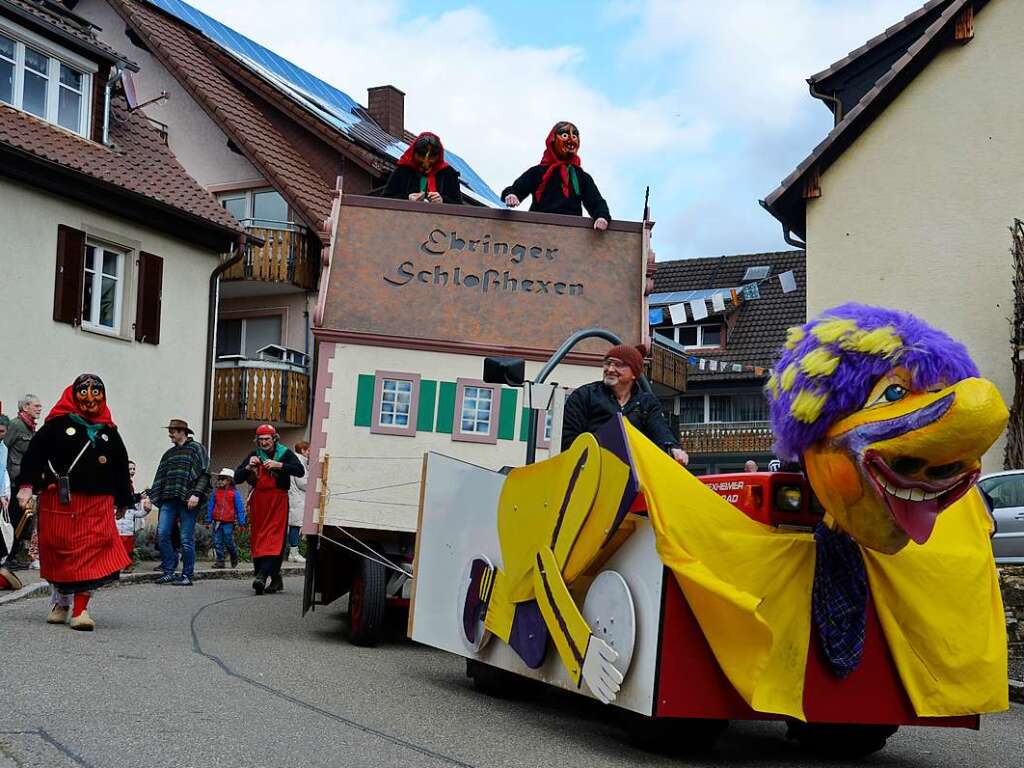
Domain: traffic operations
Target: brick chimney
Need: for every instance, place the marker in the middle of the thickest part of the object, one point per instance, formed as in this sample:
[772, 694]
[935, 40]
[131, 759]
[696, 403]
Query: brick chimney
[387, 107]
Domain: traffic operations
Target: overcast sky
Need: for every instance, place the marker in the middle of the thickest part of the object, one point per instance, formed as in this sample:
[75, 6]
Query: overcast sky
[705, 102]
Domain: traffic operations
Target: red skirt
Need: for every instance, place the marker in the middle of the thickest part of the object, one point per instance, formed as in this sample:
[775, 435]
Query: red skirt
[268, 521]
[78, 542]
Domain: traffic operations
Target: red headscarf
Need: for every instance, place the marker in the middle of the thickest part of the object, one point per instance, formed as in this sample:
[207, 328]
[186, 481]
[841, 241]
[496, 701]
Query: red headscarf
[553, 163]
[409, 161]
[67, 405]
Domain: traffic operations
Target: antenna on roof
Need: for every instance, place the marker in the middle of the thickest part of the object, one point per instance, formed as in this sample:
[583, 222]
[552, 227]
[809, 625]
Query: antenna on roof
[647, 207]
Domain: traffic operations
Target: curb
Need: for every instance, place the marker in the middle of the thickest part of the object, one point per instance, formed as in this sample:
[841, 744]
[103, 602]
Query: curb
[127, 579]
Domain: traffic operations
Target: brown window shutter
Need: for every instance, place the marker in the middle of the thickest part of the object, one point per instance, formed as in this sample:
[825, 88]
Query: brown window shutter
[147, 305]
[67, 284]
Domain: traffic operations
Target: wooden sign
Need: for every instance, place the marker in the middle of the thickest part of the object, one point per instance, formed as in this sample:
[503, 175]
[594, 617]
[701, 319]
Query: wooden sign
[475, 279]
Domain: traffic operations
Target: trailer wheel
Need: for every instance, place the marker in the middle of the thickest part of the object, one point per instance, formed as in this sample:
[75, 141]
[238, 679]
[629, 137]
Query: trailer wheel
[672, 735]
[367, 602]
[840, 740]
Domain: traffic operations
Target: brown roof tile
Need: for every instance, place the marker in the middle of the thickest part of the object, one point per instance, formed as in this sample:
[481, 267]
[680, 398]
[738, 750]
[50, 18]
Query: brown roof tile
[66, 24]
[181, 50]
[758, 327]
[139, 161]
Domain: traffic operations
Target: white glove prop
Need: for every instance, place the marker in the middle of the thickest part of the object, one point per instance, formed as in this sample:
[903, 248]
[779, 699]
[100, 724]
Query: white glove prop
[599, 671]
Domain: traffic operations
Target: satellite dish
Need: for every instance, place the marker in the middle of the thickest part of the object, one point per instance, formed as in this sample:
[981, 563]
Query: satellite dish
[130, 94]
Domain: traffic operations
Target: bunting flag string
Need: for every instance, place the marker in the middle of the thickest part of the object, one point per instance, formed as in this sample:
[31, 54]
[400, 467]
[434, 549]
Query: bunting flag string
[720, 366]
[698, 308]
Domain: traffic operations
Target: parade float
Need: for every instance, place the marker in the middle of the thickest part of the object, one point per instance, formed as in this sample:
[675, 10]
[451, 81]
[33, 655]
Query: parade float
[610, 571]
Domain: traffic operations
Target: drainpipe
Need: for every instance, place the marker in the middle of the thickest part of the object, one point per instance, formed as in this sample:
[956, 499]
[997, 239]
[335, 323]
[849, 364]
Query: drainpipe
[108, 89]
[238, 249]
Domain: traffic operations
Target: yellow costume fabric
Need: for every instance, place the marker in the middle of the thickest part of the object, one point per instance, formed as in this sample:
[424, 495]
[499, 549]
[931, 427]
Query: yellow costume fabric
[749, 586]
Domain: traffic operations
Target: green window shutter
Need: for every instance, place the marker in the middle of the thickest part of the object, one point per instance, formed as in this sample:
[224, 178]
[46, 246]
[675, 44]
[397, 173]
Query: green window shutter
[446, 407]
[507, 414]
[364, 400]
[524, 424]
[428, 398]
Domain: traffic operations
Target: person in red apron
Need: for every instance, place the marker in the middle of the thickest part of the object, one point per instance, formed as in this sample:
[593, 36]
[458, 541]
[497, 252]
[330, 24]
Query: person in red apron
[269, 471]
[78, 465]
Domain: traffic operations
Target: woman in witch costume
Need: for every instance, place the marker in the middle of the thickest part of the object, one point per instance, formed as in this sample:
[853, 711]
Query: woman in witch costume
[269, 470]
[78, 465]
[423, 174]
[559, 184]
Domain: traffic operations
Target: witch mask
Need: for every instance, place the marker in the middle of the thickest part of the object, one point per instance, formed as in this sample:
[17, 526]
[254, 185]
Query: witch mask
[90, 395]
[567, 140]
[426, 152]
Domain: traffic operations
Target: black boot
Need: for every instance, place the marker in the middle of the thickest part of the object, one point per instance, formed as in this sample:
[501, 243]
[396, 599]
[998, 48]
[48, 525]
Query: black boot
[258, 584]
[234, 561]
[275, 585]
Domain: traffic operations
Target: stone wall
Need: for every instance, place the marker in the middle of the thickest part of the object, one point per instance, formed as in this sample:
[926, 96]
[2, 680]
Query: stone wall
[1011, 579]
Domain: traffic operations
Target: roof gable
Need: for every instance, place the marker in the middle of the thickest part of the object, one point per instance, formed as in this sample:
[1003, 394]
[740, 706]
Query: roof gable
[788, 201]
[58, 22]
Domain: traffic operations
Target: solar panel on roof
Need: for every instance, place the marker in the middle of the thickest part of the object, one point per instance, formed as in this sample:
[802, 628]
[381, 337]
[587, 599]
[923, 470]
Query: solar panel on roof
[329, 104]
[675, 297]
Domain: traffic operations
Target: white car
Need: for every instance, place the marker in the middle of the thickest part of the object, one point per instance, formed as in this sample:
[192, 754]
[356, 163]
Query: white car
[1004, 492]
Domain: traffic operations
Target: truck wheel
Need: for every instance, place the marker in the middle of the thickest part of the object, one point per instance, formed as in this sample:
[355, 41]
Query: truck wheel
[367, 601]
[840, 740]
[672, 735]
[499, 683]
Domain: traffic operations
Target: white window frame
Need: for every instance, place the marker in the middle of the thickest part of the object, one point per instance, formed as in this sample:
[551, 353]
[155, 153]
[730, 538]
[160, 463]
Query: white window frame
[123, 255]
[228, 316]
[700, 335]
[56, 56]
[250, 207]
[380, 379]
[491, 436]
[706, 396]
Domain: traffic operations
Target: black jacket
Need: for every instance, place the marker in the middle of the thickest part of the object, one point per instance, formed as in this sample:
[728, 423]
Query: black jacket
[291, 467]
[553, 201]
[404, 181]
[102, 470]
[591, 405]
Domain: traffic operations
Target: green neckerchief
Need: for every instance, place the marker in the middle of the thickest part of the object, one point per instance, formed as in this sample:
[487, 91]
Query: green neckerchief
[423, 183]
[574, 179]
[278, 453]
[91, 430]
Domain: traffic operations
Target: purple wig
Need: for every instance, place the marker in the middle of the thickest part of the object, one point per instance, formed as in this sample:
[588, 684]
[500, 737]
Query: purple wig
[829, 366]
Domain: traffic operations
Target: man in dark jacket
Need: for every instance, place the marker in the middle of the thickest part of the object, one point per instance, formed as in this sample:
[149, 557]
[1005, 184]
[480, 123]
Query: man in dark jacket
[180, 486]
[559, 184]
[591, 405]
[19, 435]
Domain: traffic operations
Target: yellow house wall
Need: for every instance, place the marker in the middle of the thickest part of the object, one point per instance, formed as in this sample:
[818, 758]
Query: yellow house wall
[395, 460]
[915, 214]
[146, 384]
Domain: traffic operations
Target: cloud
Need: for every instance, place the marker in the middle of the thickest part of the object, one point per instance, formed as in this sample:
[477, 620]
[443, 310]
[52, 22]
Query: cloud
[718, 113]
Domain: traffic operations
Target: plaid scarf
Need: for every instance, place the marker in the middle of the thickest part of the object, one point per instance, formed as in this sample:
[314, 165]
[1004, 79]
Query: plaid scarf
[839, 599]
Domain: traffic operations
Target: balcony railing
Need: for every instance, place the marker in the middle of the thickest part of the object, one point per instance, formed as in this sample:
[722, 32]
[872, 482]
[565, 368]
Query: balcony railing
[256, 390]
[668, 365]
[731, 437]
[284, 256]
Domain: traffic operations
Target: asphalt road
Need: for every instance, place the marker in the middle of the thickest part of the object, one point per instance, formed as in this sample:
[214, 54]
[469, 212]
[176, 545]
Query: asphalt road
[211, 676]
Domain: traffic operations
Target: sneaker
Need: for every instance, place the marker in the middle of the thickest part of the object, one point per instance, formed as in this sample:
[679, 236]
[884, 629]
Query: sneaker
[167, 578]
[294, 556]
[83, 622]
[58, 615]
[182, 581]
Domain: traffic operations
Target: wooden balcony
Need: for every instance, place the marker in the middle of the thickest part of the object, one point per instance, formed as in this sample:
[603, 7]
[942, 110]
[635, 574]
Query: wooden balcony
[283, 258]
[248, 391]
[736, 437]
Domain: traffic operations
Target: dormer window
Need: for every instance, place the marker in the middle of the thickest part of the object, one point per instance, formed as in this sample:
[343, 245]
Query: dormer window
[39, 77]
[694, 336]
